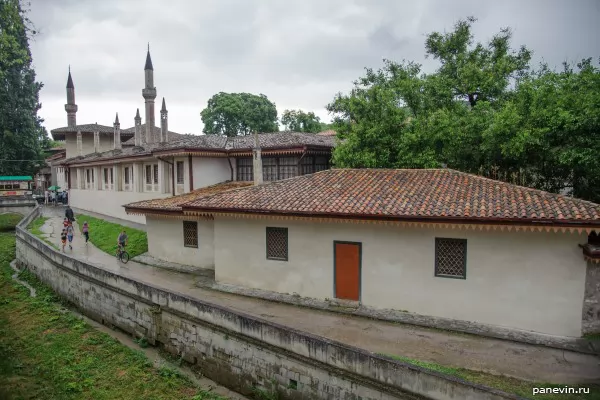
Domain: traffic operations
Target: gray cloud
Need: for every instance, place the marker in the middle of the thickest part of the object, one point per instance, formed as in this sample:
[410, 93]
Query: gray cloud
[297, 52]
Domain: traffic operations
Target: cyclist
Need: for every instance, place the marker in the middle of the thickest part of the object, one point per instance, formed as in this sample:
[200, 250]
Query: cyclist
[122, 240]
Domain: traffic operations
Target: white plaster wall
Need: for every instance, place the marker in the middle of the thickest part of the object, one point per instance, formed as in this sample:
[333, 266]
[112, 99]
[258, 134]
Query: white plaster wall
[87, 140]
[165, 241]
[531, 281]
[106, 142]
[209, 171]
[110, 202]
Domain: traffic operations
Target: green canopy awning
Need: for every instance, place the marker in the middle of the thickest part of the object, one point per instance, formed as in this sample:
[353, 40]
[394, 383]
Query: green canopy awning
[15, 178]
[53, 188]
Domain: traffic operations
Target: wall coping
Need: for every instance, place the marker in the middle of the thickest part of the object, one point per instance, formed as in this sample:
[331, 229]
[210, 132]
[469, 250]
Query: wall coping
[431, 384]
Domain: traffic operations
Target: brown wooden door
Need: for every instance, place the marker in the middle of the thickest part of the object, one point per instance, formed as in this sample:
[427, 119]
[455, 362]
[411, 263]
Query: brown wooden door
[347, 265]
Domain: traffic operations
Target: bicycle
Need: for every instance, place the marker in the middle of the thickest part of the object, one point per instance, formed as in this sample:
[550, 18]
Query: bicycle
[122, 255]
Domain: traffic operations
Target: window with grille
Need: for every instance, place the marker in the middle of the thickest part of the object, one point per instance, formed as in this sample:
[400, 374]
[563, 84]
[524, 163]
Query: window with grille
[277, 244]
[288, 167]
[190, 234]
[148, 174]
[269, 169]
[321, 163]
[155, 173]
[244, 169]
[307, 164]
[179, 172]
[451, 258]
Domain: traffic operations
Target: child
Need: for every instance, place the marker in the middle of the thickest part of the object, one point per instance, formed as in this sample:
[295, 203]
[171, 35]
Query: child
[86, 232]
[65, 223]
[70, 234]
[63, 238]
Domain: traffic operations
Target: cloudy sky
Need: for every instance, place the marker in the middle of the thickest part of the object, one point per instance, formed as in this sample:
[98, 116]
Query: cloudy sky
[297, 52]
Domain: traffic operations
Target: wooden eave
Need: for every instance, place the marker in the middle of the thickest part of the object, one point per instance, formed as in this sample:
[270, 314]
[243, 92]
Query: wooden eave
[447, 222]
[111, 160]
[196, 152]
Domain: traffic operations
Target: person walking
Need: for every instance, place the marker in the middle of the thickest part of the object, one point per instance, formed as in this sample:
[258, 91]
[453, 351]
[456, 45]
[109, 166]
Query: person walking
[46, 195]
[69, 214]
[86, 232]
[63, 239]
[70, 235]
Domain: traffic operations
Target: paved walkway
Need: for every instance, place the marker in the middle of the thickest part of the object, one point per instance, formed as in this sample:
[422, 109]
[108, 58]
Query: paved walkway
[494, 356]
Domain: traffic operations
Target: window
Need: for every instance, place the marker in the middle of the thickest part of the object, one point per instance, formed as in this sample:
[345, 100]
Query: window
[105, 175]
[451, 258]
[269, 169]
[149, 174]
[155, 174]
[321, 163]
[307, 165]
[277, 244]
[288, 167]
[180, 172]
[111, 176]
[126, 175]
[244, 169]
[87, 175]
[190, 234]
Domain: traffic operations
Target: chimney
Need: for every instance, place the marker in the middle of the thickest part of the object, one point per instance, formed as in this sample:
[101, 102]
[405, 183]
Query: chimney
[138, 135]
[257, 162]
[117, 132]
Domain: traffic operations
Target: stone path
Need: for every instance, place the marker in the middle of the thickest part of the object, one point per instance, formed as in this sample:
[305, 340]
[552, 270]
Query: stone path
[494, 356]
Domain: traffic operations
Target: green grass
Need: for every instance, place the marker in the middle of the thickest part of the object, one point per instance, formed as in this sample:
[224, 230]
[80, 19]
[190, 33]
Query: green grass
[47, 353]
[34, 227]
[9, 221]
[104, 234]
[506, 384]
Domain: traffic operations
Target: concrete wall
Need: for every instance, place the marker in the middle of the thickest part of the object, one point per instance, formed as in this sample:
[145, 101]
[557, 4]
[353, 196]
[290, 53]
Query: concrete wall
[209, 171]
[529, 281]
[591, 303]
[165, 241]
[236, 350]
[110, 202]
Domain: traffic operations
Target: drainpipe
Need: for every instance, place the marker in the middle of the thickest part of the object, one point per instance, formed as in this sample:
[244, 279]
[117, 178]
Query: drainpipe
[191, 172]
[257, 162]
[230, 167]
[300, 161]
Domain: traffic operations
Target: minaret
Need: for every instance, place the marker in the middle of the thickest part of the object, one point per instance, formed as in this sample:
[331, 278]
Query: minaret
[164, 124]
[149, 94]
[257, 162]
[117, 131]
[138, 135]
[71, 107]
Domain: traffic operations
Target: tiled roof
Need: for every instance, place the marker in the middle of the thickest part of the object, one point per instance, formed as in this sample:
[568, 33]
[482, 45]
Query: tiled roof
[130, 151]
[280, 139]
[84, 128]
[329, 132]
[174, 203]
[427, 194]
[195, 141]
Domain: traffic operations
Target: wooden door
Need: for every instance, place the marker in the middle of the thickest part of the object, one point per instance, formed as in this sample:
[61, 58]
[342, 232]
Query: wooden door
[347, 266]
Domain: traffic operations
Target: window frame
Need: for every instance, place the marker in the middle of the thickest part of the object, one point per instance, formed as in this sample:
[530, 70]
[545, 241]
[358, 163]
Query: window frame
[287, 243]
[436, 260]
[188, 223]
[180, 175]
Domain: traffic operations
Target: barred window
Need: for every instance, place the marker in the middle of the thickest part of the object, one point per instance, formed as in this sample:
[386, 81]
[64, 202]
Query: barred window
[288, 167]
[244, 169]
[321, 163]
[148, 174]
[155, 173]
[277, 244]
[451, 258]
[307, 165]
[190, 234]
[269, 169]
[179, 172]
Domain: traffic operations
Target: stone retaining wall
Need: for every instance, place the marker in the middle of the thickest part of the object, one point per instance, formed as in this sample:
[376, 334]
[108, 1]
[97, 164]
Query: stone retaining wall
[236, 350]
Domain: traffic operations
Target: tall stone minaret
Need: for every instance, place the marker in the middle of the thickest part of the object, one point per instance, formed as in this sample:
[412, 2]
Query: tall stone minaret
[139, 135]
[117, 133]
[71, 107]
[149, 94]
[164, 124]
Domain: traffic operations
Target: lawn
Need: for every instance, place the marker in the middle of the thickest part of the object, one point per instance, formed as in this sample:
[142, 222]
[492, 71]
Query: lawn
[8, 221]
[48, 353]
[104, 234]
[506, 384]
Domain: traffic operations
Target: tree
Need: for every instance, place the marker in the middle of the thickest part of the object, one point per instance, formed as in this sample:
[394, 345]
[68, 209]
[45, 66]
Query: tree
[22, 136]
[300, 121]
[233, 114]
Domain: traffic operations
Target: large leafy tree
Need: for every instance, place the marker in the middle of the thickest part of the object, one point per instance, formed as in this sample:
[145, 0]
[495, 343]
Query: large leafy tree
[300, 121]
[483, 111]
[233, 114]
[22, 136]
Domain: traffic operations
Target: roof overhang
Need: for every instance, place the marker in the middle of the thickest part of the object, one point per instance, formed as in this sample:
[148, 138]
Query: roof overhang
[455, 222]
[186, 151]
[112, 160]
